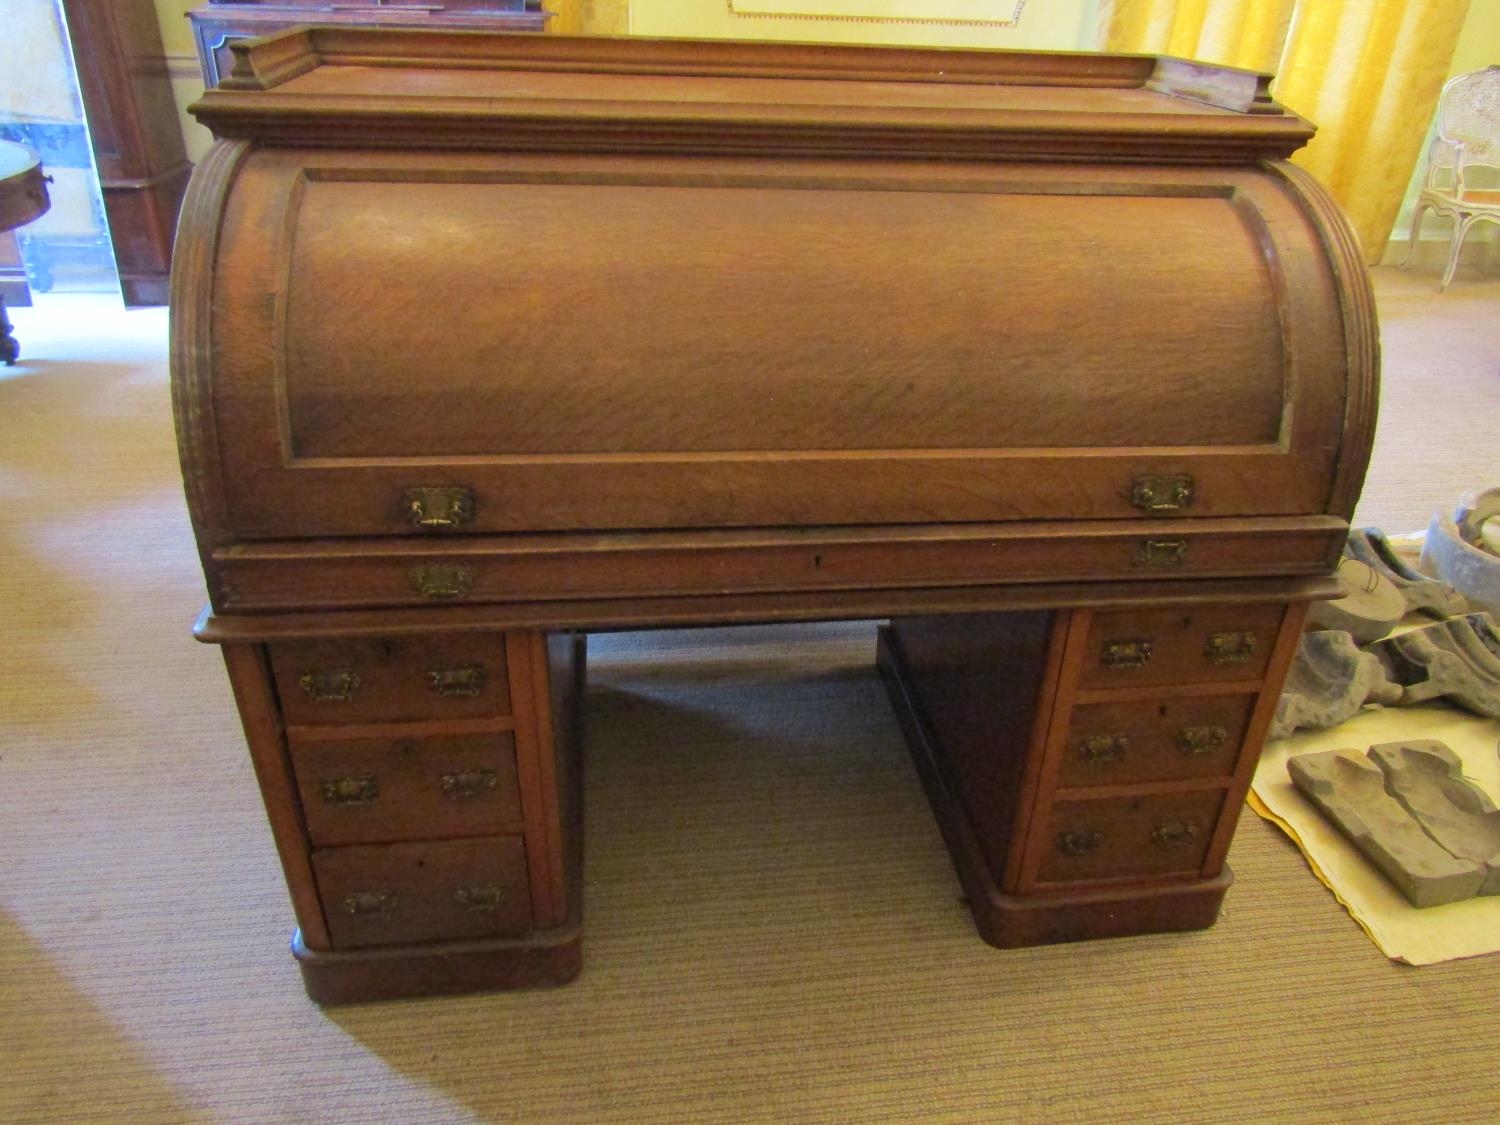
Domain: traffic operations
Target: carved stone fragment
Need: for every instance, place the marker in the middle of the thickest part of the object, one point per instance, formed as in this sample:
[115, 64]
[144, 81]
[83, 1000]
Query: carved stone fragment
[1421, 592]
[1426, 777]
[1369, 609]
[1457, 659]
[1452, 551]
[1330, 680]
[1349, 790]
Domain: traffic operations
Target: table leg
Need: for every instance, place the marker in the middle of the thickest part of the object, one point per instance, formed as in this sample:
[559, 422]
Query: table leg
[10, 351]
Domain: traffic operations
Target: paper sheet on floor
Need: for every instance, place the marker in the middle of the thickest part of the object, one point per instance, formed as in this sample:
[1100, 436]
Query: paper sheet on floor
[1404, 933]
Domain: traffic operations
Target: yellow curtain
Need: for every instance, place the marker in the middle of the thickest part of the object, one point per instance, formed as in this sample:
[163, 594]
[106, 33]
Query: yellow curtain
[588, 17]
[1366, 72]
[1243, 33]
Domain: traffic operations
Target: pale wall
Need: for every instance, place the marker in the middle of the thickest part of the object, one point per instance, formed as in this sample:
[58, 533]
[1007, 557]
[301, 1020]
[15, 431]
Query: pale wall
[1051, 25]
[182, 67]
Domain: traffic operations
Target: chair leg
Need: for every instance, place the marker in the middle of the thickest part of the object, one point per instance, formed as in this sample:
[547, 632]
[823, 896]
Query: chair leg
[1460, 230]
[1417, 214]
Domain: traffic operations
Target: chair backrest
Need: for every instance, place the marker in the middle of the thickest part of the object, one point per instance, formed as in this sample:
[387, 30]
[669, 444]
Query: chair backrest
[1469, 111]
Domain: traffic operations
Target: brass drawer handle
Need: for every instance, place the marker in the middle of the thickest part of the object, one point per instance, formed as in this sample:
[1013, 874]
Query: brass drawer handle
[1162, 554]
[1230, 648]
[1101, 749]
[349, 790]
[1126, 654]
[1080, 842]
[442, 580]
[438, 509]
[1174, 834]
[336, 686]
[1201, 740]
[464, 784]
[481, 899]
[465, 680]
[1162, 493]
[371, 904]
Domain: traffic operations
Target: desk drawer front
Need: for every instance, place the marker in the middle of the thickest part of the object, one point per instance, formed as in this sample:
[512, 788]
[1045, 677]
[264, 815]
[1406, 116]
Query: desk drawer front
[435, 891]
[382, 573]
[1180, 646]
[375, 790]
[358, 680]
[1122, 837]
[1157, 740]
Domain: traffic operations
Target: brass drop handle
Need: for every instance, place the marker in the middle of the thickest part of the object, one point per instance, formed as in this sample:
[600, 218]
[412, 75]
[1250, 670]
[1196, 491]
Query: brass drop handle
[1201, 740]
[1126, 654]
[349, 790]
[337, 685]
[370, 904]
[464, 785]
[1174, 834]
[1101, 749]
[1230, 648]
[438, 508]
[465, 680]
[1159, 494]
[1079, 842]
[481, 899]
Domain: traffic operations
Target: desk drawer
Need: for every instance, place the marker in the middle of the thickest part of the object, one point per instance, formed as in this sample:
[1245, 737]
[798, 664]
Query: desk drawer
[1217, 644]
[1122, 837]
[378, 790]
[383, 573]
[434, 891]
[383, 679]
[1155, 740]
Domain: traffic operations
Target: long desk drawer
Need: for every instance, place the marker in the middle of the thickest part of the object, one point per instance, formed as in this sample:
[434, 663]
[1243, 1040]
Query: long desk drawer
[381, 574]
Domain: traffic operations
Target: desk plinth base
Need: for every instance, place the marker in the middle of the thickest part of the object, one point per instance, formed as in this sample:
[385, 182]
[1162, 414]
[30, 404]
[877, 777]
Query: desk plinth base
[1009, 921]
[397, 972]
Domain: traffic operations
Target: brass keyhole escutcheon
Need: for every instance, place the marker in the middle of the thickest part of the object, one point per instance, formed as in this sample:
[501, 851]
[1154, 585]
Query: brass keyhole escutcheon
[442, 580]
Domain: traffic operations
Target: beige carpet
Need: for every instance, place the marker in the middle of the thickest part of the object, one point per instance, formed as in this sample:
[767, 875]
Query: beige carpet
[773, 932]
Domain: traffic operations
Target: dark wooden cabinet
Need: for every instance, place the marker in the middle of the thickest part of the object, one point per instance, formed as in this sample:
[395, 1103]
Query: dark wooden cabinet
[1052, 360]
[136, 136]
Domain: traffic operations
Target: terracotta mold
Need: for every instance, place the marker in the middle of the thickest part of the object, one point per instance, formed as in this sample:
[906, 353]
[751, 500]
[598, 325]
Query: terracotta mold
[1426, 777]
[1330, 680]
[1349, 790]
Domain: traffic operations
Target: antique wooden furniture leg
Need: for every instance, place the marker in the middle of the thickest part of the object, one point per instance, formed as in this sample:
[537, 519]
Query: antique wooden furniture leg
[10, 350]
[23, 197]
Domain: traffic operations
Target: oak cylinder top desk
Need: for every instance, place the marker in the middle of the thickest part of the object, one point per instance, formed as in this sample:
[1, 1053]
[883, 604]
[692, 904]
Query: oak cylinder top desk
[481, 342]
